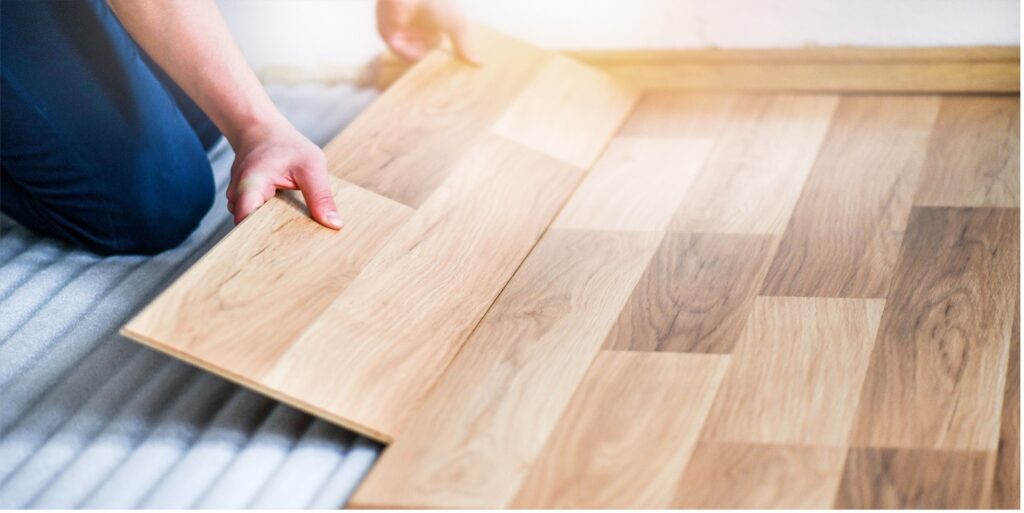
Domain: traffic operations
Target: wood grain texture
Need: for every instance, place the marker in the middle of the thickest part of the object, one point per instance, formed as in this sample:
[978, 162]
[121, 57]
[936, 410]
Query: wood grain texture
[796, 372]
[357, 326]
[397, 326]
[627, 434]
[674, 114]
[1006, 485]
[974, 156]
[846, 229]
[695, 295]
[242, 305]
[474, 440]
[914, 478]
[636, 185]
[567, 111]
[938, 370]
[406, 141]
[755, 172]
[752, 476]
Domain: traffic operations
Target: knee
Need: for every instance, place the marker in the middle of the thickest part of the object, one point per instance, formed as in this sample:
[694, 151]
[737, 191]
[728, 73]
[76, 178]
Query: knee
[161, 216]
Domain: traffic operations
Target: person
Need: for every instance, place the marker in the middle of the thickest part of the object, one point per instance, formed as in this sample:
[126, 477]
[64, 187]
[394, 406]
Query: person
[109, 107]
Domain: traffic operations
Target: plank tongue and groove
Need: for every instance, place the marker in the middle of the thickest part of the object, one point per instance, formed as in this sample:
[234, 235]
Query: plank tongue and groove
[445, 183]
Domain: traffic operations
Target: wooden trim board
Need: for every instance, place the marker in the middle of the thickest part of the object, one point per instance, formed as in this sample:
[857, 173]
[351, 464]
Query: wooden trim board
[446, 183]
[821, 69]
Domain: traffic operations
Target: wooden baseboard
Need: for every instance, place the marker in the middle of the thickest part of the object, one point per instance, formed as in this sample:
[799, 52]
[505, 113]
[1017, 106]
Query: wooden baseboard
[831, 69]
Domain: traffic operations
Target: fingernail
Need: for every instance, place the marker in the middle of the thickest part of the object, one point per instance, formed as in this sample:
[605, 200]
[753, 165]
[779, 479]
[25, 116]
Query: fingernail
[334, 219]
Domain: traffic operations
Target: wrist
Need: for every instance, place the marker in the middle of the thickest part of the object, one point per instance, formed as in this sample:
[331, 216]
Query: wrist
[252, 130]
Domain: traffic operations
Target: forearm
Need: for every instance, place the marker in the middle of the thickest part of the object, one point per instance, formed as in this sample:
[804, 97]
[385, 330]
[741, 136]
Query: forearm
[190, 41]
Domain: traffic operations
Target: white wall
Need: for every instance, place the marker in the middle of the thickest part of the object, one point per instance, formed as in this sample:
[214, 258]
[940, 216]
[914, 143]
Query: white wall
[331, 36]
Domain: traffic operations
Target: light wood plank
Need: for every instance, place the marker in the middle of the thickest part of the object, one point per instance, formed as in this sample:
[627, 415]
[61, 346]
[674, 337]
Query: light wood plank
[909, 478]
[1006, 485]
[796, 372]
[398, 325]
[636, 185]
[473, 442]
[846, 229]
[567, 111]
[754, 476]
[407, 287]
[676, 114]
[695, 295]
[974, 157]
[755, 172]
[242, 304]
[405, 143]
[627, 434]
[938, 369]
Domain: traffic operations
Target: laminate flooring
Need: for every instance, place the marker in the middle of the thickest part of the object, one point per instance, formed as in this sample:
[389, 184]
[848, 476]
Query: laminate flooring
[556, 291]
[445, 184]
[755, 301]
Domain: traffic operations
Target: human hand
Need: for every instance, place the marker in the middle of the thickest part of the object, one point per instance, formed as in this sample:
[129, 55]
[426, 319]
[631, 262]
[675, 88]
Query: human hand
[411, 28]
[277, 156]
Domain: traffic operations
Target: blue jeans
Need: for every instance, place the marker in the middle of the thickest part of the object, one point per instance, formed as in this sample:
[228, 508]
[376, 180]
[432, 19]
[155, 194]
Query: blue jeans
[98, 146]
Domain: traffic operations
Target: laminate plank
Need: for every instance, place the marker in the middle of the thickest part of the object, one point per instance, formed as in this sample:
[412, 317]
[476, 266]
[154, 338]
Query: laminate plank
[1006, 485]
[937, 372]
[243, 303]
[974, 156]
[755, 476]
[567, 111]
[677, 114]
[796, 372]
[360, 331]
[627, 434]
[846, 229]
[876, 478]
[755, 172]
[695, 295]
[474, 440]
[398, 325]
[635, 185]
[406, 141]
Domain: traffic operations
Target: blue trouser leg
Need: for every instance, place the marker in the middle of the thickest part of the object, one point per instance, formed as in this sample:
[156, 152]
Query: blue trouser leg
[97, 146]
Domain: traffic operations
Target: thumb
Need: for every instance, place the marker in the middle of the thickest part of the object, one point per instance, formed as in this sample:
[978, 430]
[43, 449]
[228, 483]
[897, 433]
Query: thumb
[250, 195]
[316, 190]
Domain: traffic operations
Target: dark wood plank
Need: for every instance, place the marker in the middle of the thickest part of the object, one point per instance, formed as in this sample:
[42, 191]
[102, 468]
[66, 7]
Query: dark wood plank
[695, 295]
[914, 478]
[845, 233]
[937, 372]
[974, 156]
[742, 475]
[1006, 487]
